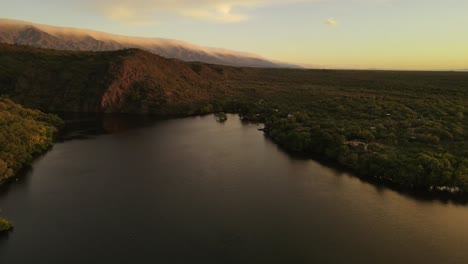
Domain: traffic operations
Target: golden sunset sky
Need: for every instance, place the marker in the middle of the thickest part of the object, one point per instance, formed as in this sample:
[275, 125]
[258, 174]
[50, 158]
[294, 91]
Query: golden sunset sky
[362, 34]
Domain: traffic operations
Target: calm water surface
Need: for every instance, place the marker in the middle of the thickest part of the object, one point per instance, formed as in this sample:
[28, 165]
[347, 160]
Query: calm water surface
[196, 191]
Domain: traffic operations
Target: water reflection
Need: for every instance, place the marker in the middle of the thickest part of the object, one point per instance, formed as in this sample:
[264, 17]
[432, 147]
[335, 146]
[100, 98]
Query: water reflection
[194, 190]
[86, 126]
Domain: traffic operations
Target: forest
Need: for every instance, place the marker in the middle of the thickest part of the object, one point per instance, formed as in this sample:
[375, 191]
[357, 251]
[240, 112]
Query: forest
[24, 133]
[407, 128]
[396, 144]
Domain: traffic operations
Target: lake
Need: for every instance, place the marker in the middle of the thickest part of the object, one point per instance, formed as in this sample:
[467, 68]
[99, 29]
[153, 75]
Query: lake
[192, 190]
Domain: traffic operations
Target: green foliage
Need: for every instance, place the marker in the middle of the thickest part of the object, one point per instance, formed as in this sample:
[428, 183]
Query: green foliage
[381, 148]
[23, 134]
[221, 117]
[5, 225]
[410, 130]
[406, 127]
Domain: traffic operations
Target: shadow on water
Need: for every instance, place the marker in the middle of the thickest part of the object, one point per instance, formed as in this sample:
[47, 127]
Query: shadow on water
[83, 126]
[4, 236]
[22, 178]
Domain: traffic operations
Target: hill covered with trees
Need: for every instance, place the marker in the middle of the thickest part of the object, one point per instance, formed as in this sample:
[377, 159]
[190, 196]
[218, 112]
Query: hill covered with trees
[24, 133]
[408, 128]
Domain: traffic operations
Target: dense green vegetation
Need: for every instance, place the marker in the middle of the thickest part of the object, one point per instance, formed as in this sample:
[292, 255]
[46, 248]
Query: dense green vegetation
[124, 81]
[221, 117]
[5, 225]
[409, 128]
[53, 80]
[408, 150]
[23, 134]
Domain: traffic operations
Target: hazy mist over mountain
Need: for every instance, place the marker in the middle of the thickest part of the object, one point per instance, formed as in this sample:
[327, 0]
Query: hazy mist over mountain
[60, 38]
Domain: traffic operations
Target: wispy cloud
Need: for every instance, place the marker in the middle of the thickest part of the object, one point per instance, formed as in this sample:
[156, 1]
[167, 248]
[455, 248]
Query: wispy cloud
[220, 13]
[331, 22]
[128, 16]
[147, 12]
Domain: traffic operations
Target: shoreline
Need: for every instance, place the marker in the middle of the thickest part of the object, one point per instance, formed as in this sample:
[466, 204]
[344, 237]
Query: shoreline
[430, 193]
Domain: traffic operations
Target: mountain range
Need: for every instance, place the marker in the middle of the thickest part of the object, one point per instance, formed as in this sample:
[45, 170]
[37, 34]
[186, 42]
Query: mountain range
[130, 81]
[61, 38]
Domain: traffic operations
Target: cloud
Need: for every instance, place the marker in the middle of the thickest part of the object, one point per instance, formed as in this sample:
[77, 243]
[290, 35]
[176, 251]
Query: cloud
[128, 16]
[331, 22]
[220, 13]
[147, 12]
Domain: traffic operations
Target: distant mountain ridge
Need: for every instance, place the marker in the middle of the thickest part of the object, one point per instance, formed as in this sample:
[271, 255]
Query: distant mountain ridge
[59, 38]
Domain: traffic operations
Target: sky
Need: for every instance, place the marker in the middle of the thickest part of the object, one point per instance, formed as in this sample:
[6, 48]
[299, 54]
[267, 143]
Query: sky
[361, 34]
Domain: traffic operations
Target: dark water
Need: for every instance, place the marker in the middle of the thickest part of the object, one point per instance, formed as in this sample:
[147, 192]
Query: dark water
[197, 191]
